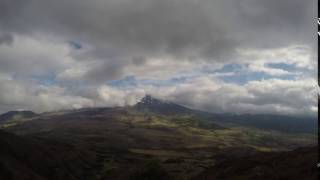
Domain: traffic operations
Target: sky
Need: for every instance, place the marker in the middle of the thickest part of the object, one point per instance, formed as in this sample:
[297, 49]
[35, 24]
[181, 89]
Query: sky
[225, 56]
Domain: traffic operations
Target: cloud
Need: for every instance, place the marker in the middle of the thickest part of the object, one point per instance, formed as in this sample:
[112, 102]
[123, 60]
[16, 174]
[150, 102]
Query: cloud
[300, 56]
[275, 96]
[29, 56]
[296, 97]
[6, 38]
[62, 54]
[115, 97]
[122, 32]
[29, 95]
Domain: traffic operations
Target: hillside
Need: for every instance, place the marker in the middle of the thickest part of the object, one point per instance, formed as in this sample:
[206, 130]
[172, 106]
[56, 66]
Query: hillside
[296, 165]
[13, 118]
[24, 158]
[288, 124]
[16, 115]
[283, 123]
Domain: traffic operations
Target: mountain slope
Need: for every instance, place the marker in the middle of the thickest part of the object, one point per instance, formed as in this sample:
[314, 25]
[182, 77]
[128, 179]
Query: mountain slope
[154, 105]
[283, 123]
[16, 115]
[288, 124]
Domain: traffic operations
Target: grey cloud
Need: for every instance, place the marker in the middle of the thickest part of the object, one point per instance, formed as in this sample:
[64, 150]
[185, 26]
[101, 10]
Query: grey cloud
[106, 71]
[206, 29]
[25, 57]
[6, 38]
[278, 23]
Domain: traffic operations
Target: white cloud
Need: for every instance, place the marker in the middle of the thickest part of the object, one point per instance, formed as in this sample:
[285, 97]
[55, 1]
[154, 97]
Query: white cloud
[300, 56]
[119, 97]
[297, 97]
[15, 94]
[73, 73]
[206, 93]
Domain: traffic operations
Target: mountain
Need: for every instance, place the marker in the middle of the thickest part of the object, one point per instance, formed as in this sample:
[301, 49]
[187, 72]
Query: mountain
[283, 123]
[153, 139]
[16, 116]
[150, 104]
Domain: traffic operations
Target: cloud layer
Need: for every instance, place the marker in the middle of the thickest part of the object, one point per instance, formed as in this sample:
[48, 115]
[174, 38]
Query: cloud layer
[64, 54]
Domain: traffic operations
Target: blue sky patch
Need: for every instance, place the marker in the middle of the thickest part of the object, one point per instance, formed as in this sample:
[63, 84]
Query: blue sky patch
[242, 74]
[75, 45]
[131, 81]
[284, 66]
[47, 80]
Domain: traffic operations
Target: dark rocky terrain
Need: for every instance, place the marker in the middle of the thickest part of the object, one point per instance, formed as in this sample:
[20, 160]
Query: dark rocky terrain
[295, 165]
[37, 159]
